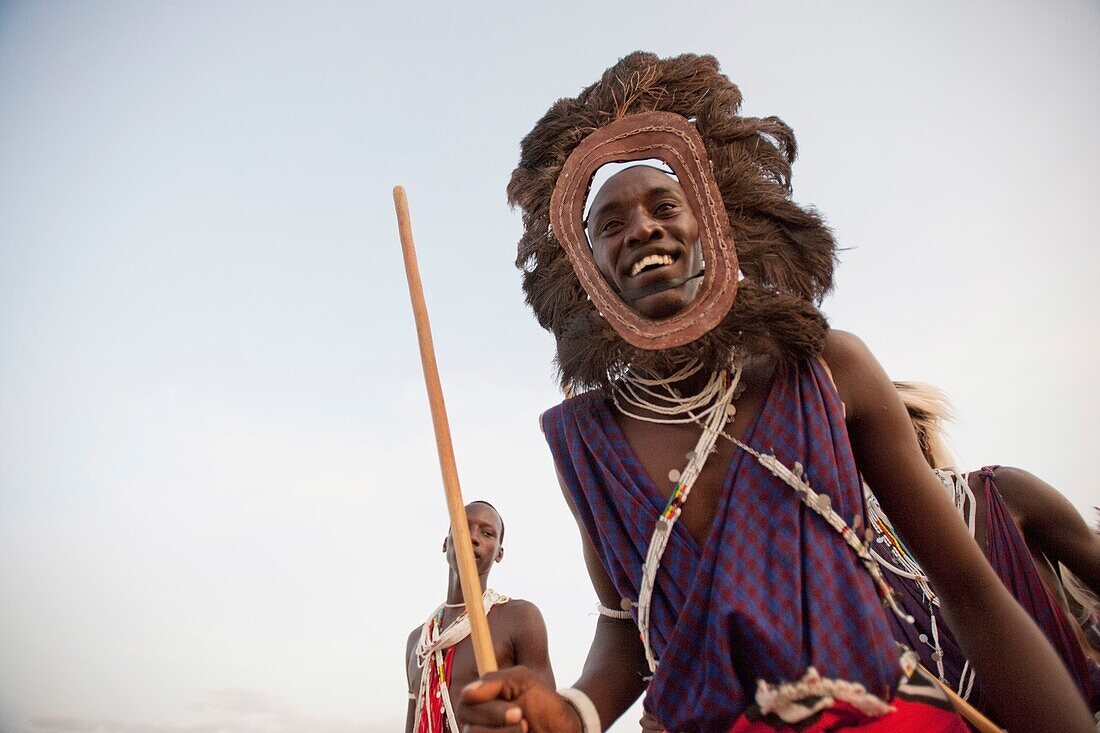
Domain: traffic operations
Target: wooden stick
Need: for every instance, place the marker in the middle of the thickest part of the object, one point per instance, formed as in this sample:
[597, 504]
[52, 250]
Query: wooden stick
[460, 530]
[973, 716]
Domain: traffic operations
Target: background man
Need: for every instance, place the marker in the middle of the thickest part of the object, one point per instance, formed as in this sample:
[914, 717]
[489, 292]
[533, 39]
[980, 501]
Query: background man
[440, 655]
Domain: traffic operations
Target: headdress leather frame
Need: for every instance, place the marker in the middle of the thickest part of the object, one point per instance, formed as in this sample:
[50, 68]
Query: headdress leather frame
[673, 139]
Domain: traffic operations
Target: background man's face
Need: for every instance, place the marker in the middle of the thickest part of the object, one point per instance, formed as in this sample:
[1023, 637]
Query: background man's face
[485, 536]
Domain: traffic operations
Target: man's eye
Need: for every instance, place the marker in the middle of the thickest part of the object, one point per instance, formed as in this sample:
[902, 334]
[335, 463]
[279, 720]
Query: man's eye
[609, 226]
[666, 207]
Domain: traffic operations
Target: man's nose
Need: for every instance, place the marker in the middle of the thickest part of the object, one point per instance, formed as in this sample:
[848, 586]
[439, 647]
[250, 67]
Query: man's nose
[641, 228]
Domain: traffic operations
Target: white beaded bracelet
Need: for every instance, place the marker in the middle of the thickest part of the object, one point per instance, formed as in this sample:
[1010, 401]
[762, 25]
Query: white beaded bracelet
[590, 717]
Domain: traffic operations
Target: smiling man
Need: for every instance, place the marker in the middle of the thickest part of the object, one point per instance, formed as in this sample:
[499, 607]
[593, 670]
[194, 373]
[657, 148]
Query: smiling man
[440, 655]
[755, 606]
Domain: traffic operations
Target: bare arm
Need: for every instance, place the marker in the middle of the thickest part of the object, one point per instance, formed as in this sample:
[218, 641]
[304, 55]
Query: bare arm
[992, 629]
[615, 667]
[1053, 523]
[414, 687]
[529, 640]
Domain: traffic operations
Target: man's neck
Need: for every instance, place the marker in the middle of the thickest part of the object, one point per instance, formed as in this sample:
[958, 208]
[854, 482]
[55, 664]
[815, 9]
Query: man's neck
[455, 597]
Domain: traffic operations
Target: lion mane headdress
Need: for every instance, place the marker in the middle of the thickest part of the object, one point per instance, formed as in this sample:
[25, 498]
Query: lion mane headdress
[784, 250]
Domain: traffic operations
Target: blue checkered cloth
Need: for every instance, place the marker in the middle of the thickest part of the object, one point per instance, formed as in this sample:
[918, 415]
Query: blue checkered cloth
[773, 590]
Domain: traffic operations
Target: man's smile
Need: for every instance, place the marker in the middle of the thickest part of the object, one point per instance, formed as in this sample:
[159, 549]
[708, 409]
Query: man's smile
[650, 262]
[644, 235]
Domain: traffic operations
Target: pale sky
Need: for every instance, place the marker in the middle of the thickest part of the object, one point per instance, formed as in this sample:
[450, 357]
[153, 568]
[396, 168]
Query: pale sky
[220, 505]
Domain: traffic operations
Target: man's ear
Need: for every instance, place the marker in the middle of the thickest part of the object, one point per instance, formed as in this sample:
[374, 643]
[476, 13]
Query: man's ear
[500, 554]
[445, 541]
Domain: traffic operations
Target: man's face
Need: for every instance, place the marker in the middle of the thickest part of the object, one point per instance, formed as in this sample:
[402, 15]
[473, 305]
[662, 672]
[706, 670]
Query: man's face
[485, 530]
[643, 232]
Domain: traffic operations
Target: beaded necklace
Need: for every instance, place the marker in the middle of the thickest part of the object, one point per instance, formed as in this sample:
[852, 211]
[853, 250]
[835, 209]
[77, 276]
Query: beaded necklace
[428, 652]
[434, 642]
[714, 404]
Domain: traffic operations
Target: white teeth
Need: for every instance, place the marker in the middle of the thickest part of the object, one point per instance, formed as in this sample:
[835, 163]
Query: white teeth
[649, 260]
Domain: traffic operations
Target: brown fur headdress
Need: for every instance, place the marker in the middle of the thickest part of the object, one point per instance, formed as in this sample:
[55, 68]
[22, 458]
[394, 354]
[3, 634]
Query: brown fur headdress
[784, 250]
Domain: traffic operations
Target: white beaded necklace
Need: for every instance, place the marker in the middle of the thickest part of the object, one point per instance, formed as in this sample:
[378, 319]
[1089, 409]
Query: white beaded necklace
[671, 408]
[714, 406]
[711, 408]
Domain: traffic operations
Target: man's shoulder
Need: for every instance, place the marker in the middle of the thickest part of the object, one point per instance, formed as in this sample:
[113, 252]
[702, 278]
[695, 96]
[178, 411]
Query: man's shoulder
[551, 416]
[1013, 479]
[518, 611]
[844, 350]
[514, 605]
[856, 374]
[587, 400]
[414, 638]
[521, 622]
